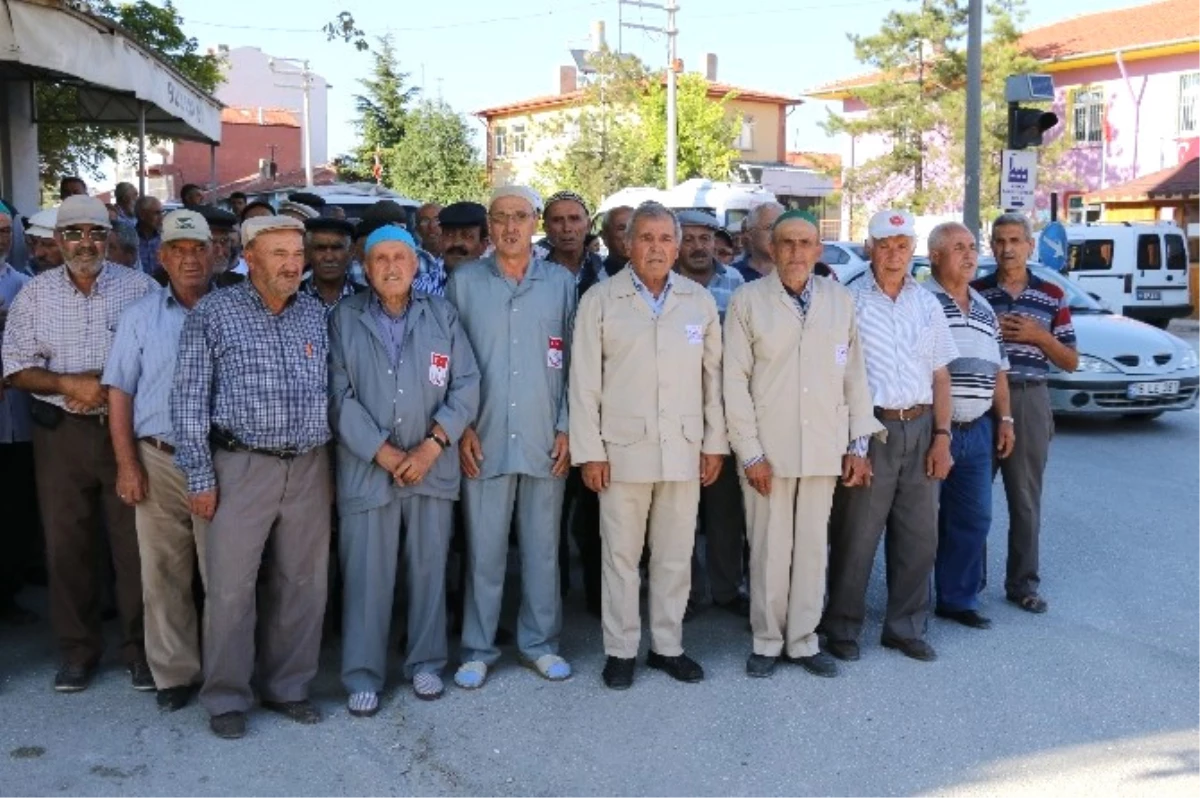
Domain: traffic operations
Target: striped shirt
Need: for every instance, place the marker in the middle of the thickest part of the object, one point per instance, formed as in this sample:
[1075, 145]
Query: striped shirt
[724, 282]
[904, 341]
[1041, 300]
[980, 352]
[260, 376]
[142, 361]
[54, 326]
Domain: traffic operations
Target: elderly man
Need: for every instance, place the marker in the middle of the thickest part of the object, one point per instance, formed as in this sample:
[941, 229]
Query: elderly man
[403, 387]
[793, 334]
[222, 224]
[756, 237]
[723, 249]
[60, 364]
[907, 346]
[249, 412]
[612, 232]
[44, 253]
[648, 429]
[125, 195]
[722, 518]
[149, 213]
[979, 390]
[1035, 320]
[464, 238]
[123, 246]
[191, 195]
[566, 220]
[327, 247]
[139, 376]
[429, 230]
[517, 311]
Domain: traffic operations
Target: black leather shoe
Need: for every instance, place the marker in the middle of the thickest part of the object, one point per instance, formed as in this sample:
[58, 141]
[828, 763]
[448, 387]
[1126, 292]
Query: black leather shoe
[739, 606]
[913, 648]
[760, 666]
[173, 699]
[229, 726]
[819, 664]
[682, 668]
[845, 650]
[693, 609]
[300, 711]
[969, 618]
[618, 673]
[73, 678]
[140, 676]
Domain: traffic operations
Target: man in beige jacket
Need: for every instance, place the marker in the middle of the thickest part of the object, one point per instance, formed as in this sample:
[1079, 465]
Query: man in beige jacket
[648, 430]
[796, 396]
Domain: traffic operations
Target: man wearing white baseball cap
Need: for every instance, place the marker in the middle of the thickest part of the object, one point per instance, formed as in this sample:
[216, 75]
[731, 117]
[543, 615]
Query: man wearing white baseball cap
[39, 242]
[907, 346]
[138, 376]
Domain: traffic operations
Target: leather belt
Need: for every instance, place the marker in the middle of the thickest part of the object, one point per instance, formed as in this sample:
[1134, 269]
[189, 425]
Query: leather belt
[903, 414]
[965, 425]
[159, 444]
[1021, 385]
[226, 441]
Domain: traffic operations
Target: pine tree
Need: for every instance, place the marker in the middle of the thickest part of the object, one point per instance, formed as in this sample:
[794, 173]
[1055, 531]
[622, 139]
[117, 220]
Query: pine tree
[382, 109]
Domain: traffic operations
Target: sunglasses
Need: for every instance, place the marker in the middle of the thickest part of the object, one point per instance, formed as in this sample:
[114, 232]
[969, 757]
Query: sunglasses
[96, 236]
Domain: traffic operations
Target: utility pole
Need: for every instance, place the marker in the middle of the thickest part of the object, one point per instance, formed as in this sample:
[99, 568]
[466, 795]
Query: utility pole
[974, 106]
[305, 88]
[671, 7]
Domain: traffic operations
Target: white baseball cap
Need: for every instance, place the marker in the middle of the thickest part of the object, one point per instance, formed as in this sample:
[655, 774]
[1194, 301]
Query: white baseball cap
[185, 225]
[41, 224]
[892, 222]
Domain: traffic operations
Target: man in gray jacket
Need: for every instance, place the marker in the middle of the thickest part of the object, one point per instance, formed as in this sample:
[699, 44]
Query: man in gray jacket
[403, 387]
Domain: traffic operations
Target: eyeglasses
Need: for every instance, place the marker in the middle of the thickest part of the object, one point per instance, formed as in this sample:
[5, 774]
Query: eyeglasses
[501, 219]
[96, 236]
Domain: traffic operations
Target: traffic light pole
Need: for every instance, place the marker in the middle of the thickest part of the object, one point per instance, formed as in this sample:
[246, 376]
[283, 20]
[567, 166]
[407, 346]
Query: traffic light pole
[974, 102]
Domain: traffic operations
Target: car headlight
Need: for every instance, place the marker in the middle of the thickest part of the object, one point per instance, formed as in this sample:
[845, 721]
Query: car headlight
[1095, 365]
[1188, 359]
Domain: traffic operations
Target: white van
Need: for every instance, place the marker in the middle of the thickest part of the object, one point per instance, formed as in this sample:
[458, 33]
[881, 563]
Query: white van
[729, 202]
[1140, 269]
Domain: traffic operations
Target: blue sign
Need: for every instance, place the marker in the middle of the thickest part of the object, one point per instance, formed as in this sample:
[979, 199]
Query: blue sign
[1052, 246]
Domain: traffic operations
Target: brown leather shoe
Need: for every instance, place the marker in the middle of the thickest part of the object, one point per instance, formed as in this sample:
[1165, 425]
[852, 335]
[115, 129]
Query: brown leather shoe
[912, 647]
[228, 726]
[300, 711]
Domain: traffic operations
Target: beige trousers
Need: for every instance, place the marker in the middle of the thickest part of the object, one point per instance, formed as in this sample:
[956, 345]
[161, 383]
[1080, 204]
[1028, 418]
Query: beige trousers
[788, 553]
[632, 515]
[171, 542]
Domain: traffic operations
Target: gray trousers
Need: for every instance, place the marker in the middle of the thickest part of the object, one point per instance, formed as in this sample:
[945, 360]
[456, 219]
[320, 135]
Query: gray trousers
[369, 547]
[488, 506]
[902, 499]
[1022, 472]
[723, 522]
[271, 514]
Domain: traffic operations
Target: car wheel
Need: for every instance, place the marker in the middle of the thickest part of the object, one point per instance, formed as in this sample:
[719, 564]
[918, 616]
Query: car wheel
[1142, 416]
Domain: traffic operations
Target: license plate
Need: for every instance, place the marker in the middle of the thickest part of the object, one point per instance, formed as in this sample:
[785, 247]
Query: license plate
[1145, 294]
[1165, 388]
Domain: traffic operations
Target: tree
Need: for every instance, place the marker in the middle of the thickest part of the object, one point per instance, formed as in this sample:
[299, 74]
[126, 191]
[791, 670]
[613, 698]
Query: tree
[435, 160]
[382, 110]
[82, 149]
[705, 126]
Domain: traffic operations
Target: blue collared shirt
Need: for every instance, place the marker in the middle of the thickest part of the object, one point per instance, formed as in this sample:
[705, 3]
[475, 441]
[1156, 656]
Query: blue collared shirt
[148, 251]
[15, 421]
[260, 376]
[142, 360]
[656, 303]
[391, 328]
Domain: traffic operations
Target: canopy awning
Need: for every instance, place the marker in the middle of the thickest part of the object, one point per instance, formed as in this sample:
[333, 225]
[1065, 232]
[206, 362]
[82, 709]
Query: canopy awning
[48, 40]
[1173, 185]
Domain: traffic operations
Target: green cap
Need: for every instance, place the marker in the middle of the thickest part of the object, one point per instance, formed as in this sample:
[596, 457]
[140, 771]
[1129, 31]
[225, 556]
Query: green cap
[795, 213]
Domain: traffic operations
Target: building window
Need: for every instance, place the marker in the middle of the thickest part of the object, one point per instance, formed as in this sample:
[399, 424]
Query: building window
[1079, 213]
[1189, 103]
[745, 142]
[518, 138]
[1087, 116]
[500, 142]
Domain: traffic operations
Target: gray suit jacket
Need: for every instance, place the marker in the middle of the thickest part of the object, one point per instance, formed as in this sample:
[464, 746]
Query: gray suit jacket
[369, 404]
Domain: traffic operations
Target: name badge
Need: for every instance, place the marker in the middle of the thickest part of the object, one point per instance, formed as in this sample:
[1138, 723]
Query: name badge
[841, 353]
[695, 333]
[554, 353]
[439, 365]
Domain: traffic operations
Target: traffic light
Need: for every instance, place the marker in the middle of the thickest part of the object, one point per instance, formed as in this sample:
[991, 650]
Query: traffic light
[1026, 126]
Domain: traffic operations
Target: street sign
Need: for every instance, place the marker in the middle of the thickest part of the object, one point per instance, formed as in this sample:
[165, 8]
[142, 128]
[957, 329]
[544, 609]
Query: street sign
[1018, 179]
[1052, 246]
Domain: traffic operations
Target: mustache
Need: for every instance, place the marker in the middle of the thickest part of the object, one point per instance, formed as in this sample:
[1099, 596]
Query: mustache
[457, 250]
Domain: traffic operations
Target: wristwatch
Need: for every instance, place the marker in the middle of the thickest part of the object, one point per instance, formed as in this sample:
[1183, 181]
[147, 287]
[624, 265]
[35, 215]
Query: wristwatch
[432, 436]
[945, 432]
[1007, 420]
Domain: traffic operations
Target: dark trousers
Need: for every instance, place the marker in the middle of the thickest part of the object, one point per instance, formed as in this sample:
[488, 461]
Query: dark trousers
[76, 484]
[723, 523]
[902, 499]
[19, 539]
[581, 512]
[1023, 471]
[965, 516]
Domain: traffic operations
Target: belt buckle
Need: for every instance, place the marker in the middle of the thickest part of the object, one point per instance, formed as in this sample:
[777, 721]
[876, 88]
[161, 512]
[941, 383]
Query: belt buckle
[902, 411]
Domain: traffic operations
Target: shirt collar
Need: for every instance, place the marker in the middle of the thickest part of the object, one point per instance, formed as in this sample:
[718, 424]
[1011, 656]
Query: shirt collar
[378, 309]
[908, 284]
[639, 285]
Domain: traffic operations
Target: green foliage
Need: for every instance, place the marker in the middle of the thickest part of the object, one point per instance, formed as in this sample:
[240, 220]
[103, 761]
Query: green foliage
[345, 28]
[435, 160]
[382, 109]
[706, 130]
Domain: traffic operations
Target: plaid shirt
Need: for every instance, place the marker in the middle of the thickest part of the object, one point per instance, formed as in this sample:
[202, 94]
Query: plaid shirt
[724, 282]
[148, 251]
[258, 376]
[349, 288]
[431, 278]
[54, 326]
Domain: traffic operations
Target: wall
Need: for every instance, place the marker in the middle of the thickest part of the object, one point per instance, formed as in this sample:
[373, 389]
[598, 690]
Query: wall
[769, 136]
[241, 148]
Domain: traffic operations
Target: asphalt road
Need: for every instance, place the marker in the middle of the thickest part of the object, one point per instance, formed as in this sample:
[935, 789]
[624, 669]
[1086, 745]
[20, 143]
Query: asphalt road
[1099, 696]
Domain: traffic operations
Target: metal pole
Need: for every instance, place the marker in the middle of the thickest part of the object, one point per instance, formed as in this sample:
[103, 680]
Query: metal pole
[141, 148]
[212, 167]
[672, 122]
[308, 165]
[974, 101]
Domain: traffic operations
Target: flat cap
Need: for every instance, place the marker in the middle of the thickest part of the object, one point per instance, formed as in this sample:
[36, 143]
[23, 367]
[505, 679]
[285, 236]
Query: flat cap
[301, 210]
[307, 198]
[462, 214]
[698, 219]
[217, 217]
[385, 211]
[256, 226]
[82, 209]
[325, 224]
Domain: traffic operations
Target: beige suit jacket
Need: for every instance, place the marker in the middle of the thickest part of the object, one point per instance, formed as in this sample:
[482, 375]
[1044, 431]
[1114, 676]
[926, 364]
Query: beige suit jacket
[795, 384]
[646, 392]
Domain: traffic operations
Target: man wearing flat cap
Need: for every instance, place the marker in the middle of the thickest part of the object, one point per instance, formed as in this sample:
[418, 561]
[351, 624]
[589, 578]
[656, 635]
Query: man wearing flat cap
[56, 342]
[249, 413]
[223, 226]
[403, 387]
[139, 376]
[796, 394]
[907, 347]
[328, 250]
[464, 236]
[517, 311]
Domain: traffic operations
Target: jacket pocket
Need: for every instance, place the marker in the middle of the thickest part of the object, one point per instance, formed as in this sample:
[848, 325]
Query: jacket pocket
[622, 430]
[693, 428]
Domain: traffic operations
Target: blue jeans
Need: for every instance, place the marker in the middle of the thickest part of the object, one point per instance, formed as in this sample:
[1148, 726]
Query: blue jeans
[964, 517]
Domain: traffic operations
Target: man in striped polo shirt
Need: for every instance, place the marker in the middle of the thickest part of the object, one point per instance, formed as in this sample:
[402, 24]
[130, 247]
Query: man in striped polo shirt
[1036, 324]
[978, 384]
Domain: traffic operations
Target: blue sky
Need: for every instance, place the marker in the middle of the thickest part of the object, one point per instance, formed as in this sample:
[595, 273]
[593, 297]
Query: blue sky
[476, 54]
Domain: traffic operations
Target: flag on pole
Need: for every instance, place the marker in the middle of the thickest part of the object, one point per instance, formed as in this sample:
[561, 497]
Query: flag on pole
[377, 169]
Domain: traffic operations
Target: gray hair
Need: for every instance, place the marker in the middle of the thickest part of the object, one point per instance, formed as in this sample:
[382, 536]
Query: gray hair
[937, 236]
[756, 213]
[127, 237]
[143, 202]
[1013, 218]
[123, 191]
[610, 213]
[652, 210]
